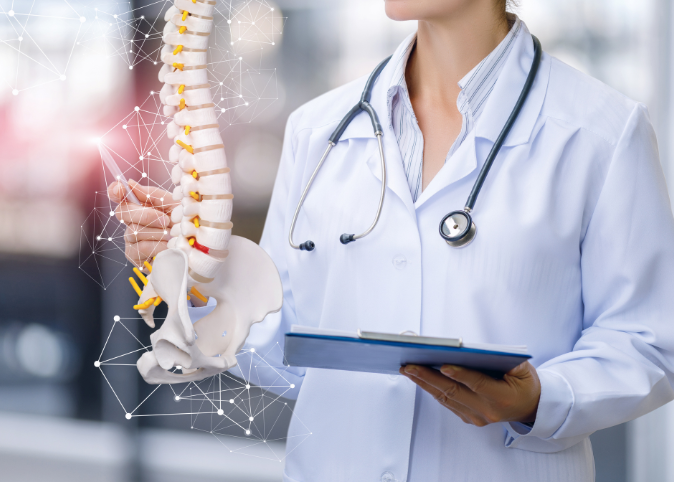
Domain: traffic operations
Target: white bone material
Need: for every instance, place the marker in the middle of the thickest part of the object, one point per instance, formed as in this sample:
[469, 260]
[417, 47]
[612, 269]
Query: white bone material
[202, 252]
[246, 287]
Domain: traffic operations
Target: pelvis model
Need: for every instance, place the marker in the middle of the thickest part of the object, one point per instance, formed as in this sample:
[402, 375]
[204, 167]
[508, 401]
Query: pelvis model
[203, 259]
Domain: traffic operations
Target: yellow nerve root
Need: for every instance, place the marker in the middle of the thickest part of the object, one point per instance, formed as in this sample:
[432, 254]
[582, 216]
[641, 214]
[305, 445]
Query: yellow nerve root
[185, 14]
[191, 241]
[194, 195]
[196, 293]
[181, 89]
[187, 130]
[185, 146]
[145, 305]
[148, 266]
[178, 66]
[135, 286]
[182, 29]
[196, 222]
[157, 301]
[182, 104]
[195, 174]
[178, 49]
[140, 275]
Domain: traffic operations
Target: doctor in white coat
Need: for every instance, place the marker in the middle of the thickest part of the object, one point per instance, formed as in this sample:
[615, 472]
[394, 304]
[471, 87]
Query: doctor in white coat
[574, 257]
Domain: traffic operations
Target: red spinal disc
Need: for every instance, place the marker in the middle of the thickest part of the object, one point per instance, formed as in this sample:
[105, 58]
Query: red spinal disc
[201, 247]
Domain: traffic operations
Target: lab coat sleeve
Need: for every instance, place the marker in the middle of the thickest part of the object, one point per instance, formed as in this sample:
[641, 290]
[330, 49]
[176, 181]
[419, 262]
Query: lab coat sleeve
[264, 365]
[622, 365]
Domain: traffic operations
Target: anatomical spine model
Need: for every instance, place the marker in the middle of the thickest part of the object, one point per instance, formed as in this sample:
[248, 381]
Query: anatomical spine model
[203, 258]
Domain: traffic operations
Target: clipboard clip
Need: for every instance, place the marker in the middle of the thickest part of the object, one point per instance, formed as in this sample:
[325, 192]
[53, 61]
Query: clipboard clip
[410, 337]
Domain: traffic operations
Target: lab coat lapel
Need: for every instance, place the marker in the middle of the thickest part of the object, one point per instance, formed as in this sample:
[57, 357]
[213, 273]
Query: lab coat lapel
[460, 165]
[361, 127]
[507, 90]
[497, 110]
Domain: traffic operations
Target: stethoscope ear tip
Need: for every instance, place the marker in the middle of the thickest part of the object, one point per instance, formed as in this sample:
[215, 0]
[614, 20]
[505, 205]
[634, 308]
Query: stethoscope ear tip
[307, 246]
[346, 238]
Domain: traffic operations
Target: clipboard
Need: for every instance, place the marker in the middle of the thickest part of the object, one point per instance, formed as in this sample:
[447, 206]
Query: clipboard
[386, 352]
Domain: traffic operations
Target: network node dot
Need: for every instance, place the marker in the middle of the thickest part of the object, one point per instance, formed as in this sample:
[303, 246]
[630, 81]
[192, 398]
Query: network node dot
[229, 21]
[252, 350]
[152, 92]
[62, 77]
[240, 58]
[114, 16]
[161, 199]
[156, 64]
[251, 418]
[162, 122]
[292, 385]
[112, 213]
[137, 109]
[10, 13]
[109, 239]
[165, 232]
[83, 19]
[247, 432]
[135, 232]
[222, 110]
[177, 398]
[141, 158]
[130, 67]
[221, 411]
[124, 126]
[20, 39]
[98, 238]
[231, 400]
[247, 387]
[128, 416]
[116, 318]
[273, 43]
[147, 36]
[15, 92]
[97, 364]
[221, 83]
[144, 174]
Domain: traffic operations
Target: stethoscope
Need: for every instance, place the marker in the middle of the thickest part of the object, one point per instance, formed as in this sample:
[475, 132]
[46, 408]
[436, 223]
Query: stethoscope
[456, 228]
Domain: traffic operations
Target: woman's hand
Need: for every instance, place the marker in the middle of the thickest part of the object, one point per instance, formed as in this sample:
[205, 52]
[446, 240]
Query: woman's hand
[148, 225]
[479, 399]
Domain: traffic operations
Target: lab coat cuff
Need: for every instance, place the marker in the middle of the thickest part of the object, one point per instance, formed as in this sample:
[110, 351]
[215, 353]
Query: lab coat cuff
[553, 408]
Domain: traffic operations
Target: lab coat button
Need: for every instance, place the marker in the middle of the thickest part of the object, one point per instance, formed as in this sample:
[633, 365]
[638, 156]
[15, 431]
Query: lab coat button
[399, 262]
[388, 477]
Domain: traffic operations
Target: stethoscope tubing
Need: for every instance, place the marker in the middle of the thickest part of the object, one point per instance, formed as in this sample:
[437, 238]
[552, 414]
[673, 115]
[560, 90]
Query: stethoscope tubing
[482, 176]
[469, 232]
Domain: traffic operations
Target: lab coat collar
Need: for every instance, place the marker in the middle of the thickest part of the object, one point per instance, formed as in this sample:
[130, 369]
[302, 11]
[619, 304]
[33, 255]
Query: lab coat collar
[361, 127]
[507, 90]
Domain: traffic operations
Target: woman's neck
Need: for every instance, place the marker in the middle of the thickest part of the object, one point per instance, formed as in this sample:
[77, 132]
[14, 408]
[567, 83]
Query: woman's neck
[448, 48]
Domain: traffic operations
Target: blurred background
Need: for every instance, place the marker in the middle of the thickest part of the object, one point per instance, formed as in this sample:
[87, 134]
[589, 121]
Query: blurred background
[76, 72]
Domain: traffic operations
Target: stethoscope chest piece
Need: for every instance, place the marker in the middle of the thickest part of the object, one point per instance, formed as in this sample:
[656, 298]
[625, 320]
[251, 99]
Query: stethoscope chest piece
[458, 229]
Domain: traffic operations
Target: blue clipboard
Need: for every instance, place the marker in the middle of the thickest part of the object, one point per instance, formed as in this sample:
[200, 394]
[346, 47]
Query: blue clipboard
[386, 356]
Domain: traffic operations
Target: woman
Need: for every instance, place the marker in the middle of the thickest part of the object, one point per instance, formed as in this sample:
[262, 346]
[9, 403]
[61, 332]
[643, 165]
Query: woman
[574, 258]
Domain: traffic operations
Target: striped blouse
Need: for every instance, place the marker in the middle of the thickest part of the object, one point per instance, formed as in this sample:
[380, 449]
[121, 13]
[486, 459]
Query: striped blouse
[475, 89]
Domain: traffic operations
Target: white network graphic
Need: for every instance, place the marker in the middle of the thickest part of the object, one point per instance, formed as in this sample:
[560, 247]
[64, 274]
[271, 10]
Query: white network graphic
[241, 89]
[40, 38]
[237, 412]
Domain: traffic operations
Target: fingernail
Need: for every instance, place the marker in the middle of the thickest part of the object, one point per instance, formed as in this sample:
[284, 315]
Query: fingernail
[410, 370]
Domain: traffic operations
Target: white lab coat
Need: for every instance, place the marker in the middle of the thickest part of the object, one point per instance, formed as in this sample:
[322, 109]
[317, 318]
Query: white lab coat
[574, 257]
